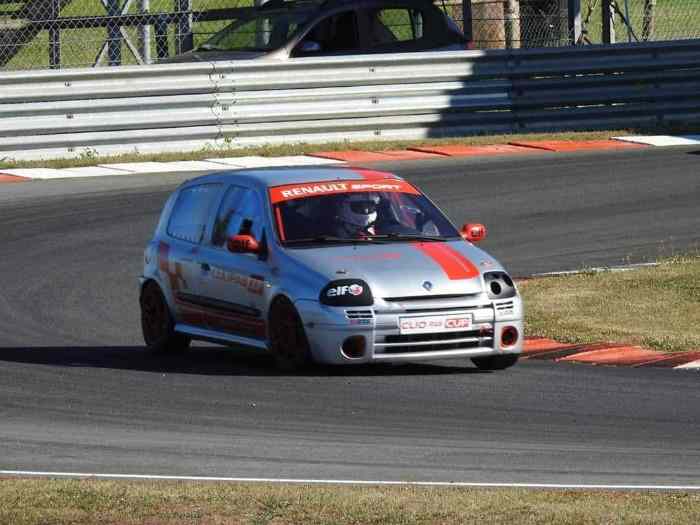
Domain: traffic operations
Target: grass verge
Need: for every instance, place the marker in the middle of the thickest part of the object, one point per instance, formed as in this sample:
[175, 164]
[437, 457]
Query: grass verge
[656, 307]
[37, 501]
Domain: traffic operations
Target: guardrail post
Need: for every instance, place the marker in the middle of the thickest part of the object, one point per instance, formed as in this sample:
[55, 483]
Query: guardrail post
[161, 36]
[114, 35]
[184, 40]
[608, 16]
[575, 26]
[54, 36]
[648, 22]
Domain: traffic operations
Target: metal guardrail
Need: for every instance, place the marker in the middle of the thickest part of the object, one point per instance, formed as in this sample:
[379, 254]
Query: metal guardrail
[177, 107]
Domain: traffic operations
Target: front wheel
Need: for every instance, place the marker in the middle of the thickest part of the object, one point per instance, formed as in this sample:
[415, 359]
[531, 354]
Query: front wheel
[495, 362]
[288, 341]
[157, 323]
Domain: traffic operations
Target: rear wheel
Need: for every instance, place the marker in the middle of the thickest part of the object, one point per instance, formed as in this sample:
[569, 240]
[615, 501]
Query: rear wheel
[495, 362]
[288, 341]
[157, 323]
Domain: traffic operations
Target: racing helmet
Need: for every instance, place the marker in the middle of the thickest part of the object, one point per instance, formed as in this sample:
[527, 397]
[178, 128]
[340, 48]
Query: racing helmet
[359, 210]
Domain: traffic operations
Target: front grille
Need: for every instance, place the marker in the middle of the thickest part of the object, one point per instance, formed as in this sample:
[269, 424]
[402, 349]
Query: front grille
[437, 341]
[437, 336]
[435, 347]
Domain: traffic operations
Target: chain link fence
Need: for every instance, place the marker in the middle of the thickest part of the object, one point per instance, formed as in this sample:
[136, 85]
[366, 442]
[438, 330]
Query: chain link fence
[639, 20]
[76, 33]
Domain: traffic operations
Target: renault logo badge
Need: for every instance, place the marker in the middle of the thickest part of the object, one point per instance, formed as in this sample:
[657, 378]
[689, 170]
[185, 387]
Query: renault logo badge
[428, 285]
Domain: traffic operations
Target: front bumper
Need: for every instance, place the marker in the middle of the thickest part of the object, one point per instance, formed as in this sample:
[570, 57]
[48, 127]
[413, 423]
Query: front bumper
[327, 328]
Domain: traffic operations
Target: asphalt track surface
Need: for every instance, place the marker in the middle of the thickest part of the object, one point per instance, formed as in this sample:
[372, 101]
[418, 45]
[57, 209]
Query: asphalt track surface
[79, 394]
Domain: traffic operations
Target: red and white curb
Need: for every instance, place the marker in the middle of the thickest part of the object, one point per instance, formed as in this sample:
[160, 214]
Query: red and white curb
[663, 140]
[321, 158]
[610, 354]
[141, 168]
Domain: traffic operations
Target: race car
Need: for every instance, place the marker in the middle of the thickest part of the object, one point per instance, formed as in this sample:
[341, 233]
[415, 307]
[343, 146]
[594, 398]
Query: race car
[328, 265]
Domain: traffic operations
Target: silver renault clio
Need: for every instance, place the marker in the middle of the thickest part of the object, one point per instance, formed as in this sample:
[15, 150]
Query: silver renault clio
[328, 265]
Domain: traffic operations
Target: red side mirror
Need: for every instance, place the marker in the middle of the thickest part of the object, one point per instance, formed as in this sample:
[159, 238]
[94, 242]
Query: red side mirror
[242, 244]
[473, 232]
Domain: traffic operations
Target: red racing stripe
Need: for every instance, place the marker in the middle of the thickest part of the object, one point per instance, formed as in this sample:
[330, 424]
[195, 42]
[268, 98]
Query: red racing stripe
[373, 174]
[454, 264]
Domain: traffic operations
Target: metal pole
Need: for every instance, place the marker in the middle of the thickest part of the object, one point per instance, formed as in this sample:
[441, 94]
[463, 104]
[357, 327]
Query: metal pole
[262, 28]
[575, 26]
[184, 40]
[55, 36]
[512, 20]
[145, 34]
[628, 21]
[114, 36]
[467, 20]
[608, 13]
[648, 22]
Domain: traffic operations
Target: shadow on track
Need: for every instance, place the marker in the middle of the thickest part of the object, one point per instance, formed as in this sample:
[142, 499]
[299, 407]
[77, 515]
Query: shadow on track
[209, 360]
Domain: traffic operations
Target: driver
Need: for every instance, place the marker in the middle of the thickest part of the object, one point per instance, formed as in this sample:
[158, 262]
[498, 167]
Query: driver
[357, 214]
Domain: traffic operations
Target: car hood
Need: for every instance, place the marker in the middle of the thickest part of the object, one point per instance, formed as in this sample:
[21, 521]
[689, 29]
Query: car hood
[402, 269]
[212, 56]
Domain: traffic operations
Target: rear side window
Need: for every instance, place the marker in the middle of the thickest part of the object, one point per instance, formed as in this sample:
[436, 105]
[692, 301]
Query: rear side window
[386, 26]
[188, 220]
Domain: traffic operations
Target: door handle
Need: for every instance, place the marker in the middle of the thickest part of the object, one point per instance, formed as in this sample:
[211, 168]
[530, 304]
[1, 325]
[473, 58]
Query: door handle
[205, 266]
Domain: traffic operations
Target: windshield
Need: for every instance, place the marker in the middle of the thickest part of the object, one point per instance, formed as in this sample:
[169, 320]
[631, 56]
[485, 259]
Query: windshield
[332, 212]
[264, 31]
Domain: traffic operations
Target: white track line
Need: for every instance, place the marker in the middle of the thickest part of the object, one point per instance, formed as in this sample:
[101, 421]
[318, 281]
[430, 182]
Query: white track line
[269, 162]
[593, 486]
[625, 268]
[663, 140]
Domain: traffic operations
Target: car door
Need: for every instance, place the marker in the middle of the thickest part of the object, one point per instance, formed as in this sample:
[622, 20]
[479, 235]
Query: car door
[235, 283]
[179, 253]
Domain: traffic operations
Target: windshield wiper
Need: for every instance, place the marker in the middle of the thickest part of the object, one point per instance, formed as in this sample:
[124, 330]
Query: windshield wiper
[409, 237]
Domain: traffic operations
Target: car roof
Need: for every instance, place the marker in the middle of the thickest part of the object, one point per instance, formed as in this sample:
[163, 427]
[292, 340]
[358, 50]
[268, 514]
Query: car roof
[271, 177]
[332, 4]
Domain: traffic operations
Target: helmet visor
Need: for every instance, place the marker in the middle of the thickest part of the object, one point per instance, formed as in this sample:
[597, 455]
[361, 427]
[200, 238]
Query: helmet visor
[364, 207]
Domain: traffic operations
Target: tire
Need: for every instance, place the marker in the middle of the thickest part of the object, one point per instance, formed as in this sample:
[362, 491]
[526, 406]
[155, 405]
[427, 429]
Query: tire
[495, 362]
[288, 342]
[157, 323]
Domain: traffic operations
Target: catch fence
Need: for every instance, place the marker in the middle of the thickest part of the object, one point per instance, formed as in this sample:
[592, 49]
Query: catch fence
[37, 34]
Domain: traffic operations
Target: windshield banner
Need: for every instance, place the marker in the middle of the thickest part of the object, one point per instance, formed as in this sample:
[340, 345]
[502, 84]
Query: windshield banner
[314, 189]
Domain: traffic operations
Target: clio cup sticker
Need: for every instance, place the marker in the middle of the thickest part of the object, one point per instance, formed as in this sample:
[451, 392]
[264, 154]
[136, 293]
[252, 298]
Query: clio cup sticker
[346, 292]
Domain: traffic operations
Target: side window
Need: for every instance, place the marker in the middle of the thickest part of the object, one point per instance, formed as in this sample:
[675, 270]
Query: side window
[240, 214]
[389, 25]
[333, 34]
[188, 220]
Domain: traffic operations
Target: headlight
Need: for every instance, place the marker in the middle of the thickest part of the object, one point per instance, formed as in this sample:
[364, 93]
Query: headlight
[499, 285]
[346, 292]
